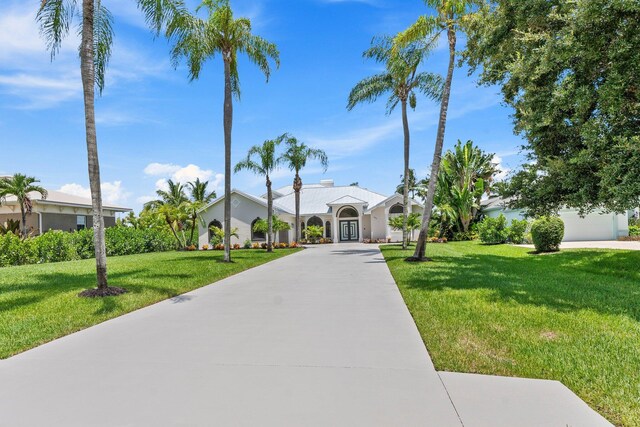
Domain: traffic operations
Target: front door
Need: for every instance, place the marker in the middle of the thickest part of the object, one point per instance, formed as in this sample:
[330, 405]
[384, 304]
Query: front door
[349, 231]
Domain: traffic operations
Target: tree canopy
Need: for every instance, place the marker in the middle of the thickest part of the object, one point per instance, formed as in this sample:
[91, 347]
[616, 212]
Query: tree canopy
[570, 72]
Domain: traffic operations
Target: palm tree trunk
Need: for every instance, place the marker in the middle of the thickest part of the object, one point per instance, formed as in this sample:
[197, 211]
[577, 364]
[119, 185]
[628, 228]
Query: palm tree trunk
[228, 122]
[194, 218]
[87, 68]
[24, 218]
[405, 201]
[297, 186]
[419, 253]
[269, 216]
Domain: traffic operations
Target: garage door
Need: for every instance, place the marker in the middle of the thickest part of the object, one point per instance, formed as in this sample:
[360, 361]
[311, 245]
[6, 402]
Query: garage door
[592, 227]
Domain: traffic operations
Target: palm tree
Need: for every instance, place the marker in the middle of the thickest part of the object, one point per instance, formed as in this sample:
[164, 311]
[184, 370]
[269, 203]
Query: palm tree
[265, 163]
[401, 80]
[428, 28]
[200, 197]
[295, 158]
[416, 187]
[198, 40]
[20, 186]
[172, 207]
[96, 37]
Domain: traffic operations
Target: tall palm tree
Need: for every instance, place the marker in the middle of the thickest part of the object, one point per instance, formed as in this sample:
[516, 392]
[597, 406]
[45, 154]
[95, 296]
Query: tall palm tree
[172, 207]
[200, 197]
[198, 40]
[295, 158]
[96, 37]
[400, 80]
[449, 18]
[20, 186]
[262, 160]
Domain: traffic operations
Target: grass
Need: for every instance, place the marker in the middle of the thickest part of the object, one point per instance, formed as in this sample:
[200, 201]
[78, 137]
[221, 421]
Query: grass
[39, 303]
[572, 316]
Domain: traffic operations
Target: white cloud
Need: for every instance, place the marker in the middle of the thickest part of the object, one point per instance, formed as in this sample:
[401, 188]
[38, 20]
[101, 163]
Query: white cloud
[181, 174]
[160, 169]
[504, 170]
[112, 192]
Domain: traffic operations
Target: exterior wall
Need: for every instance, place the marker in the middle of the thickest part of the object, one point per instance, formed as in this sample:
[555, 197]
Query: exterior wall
[242, 215]
[366, 227]
[323, 217]
[68, 222]
[594, 226]
[379, 223]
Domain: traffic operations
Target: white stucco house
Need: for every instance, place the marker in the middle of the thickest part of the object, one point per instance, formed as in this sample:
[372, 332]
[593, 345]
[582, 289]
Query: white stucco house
[347, 213]
[597, 225]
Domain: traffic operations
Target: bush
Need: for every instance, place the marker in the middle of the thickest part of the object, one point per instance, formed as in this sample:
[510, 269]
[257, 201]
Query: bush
[493, 231]
[634, 230]
[517, 231]
[547, 233]
[14, 251]
[54, 246]
[462, 236]
[247, 244]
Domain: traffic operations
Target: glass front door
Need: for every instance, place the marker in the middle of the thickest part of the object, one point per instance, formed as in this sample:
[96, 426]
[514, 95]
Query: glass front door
[349, 231]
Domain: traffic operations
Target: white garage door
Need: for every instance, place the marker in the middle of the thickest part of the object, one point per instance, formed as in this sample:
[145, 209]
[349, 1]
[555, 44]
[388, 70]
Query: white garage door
[592, 227]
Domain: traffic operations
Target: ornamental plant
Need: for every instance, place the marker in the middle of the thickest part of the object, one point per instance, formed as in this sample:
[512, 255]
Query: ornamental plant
[493, 231]
[547, 233]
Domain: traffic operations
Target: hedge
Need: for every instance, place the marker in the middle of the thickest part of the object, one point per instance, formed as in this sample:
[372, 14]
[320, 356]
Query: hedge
[547, 233]
[55, 246]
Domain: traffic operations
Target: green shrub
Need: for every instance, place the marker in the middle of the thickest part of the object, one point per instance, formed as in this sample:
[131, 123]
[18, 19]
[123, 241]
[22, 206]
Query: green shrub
[15, 251]
[313, 233]
[462, 236]
[54, 246]
[82, 240]
[634, 230]
[493, 231]
[547, 233]
[517, 231]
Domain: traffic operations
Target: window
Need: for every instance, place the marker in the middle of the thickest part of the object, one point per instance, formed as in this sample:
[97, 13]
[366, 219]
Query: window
[314, 220]
[81, 222]
[214, 223]
[257, 235]
[348, 212]
[327, 229]
[396, 209]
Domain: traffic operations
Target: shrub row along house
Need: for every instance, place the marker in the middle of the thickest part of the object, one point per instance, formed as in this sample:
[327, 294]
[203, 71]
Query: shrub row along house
[58, 211]
[597, 225]
[346, 213]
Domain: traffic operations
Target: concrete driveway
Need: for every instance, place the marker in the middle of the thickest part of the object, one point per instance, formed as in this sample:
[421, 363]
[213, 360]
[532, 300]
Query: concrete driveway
[319, 338]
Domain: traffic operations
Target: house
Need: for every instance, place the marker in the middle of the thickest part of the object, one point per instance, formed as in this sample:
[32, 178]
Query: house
[346, 213]
[597, 225]
[59, 211]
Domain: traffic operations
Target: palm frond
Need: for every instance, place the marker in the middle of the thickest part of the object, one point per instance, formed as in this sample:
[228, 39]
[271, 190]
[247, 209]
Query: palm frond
[102, 42]
[426, 27]
[54, 18]
[370, 89]
[430, 84]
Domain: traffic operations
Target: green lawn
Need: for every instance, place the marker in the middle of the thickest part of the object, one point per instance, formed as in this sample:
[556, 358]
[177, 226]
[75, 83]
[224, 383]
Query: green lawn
[39, 303]
[572, 316]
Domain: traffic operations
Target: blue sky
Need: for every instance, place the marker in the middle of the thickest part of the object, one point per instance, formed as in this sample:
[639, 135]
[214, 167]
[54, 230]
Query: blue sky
[153, 124]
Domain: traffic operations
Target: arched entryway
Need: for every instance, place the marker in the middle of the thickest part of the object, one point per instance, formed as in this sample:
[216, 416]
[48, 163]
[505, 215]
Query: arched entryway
[257, 235]
[215, 223]
[348, 224]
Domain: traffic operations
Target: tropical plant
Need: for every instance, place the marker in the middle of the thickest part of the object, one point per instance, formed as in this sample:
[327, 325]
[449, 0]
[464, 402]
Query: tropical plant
[10, 226]
[261, 225]
[198, 40]
[20, 186]
[218, 235]
[96, 37]
[466, 174]
[262, 160]
[295, 158]
[449, 18]
[401, 81]
[416, 187]
[413, 223]
[493, 231]
[313, 233]
[200, 197]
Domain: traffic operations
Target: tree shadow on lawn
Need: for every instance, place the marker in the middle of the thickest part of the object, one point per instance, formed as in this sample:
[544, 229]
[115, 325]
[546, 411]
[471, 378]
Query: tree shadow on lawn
[602, 281]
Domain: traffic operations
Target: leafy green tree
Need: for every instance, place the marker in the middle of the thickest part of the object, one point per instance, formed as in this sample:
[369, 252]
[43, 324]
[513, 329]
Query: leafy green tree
[20, 186]
[262, 160]
[55, 18]
[450, 17]
[400, 80]
[198, 40]
[218, 234]
[295, 157]
[570, 72]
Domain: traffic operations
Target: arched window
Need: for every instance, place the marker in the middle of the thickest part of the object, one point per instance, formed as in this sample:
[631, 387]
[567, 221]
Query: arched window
[396, 209]
[214, 223]
[314, 220]
[327, 229]
[348, 212]
[257, 235]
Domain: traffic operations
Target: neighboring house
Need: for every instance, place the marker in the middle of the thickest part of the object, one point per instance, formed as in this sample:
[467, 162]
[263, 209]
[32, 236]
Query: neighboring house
[346, 213]
[594, 226]
[59, 211]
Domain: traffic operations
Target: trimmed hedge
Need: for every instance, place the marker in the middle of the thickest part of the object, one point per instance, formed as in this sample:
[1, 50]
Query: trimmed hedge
[493, 231]
[55, 246]
[517, 231]
[547, 233]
